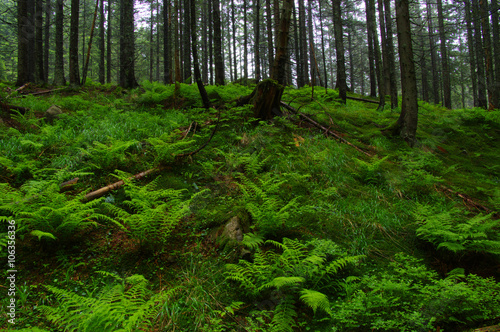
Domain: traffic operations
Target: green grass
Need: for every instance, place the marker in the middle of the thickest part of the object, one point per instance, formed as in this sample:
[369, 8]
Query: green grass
[283, 178]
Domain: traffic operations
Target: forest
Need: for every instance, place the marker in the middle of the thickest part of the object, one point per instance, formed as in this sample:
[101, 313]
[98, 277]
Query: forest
[248, 165]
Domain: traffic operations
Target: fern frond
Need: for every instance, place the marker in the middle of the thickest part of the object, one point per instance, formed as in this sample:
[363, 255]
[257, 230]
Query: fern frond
[252, 240]
[281, 282]
[315, 300]
[41, 235]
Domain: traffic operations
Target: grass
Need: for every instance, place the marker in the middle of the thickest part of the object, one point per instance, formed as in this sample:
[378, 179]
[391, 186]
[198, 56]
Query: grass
[310, 186]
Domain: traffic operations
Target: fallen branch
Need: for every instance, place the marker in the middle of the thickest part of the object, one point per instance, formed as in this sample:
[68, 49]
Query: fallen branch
[466, 199]
[364, 100]
[320, 126]
[8, 108]
[46, 91]
[17, 90]
[98, 193]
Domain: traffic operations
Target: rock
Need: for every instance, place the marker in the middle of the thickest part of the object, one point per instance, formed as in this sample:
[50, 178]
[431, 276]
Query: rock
[233, 230]
[52, 113]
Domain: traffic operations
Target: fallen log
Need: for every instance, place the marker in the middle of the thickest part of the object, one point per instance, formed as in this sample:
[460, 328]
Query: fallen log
[18, 89]
[9, 108]
[47, 91]
[320, 126]
[364, 100]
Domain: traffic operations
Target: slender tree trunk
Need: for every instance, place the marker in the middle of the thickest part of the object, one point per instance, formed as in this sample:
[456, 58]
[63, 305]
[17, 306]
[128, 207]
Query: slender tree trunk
[303, 41]
[323, 45]
[485, 22]
[481, 84]
[86, 64]
[109, 34]
[187, 44]
[210, 44]
[219, 59]
[424, 71]
[204, 36]
[22, 43]
[408, 119]
[197, 74]
[127, 45]
[74, 71]
[269, 25]
[371, 51]
[432, 47]
[233, 25]
[257, 39]
[46, 46]
[339, 48]
[157, 41]
[391, 64]
[311, 42]
[39, 75]
[444, 58]
[378, 61]
[167, 50]
[383, 42]
[151, 37]
[59, 78]
[245, 42]
[178, 76]
[351, 58]
[298, 55]
[472, 51]
[496, 48]
[102, 50]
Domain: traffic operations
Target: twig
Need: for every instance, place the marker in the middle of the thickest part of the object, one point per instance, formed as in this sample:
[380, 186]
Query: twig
[18, 89]
[327, 130]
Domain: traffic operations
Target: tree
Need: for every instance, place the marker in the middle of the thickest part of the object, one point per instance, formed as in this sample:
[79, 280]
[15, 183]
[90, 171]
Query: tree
[219, 59]
[101, 44]
[197, 73]
[167, 51]
[59, 78]
[444, 57]
[257, 39]
[23, 31]
[38, 54]
[109, 33]
[408, 119]
[74, 71]
[485, 23]
[390, 55]
[127, 45]
[339, 48]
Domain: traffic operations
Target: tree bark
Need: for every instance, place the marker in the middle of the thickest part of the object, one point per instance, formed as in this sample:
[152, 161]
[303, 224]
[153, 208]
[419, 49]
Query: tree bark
[167, 50]
[38, 55]
[303, 42]
[323, 45]
[187, 45]
[371, 51]
[197, 74]
[23, 30]
[46, 42]
[444, 57]
[74, 71]
[390, 55]
[432, 47]
[269, 26]
[472, 51]
[339, 48]
[233, 25]
[127, 45]
[408, 119]
[86, 65]
[59, 78]
[485, 23]
[481, 84]
[257, 39]
[109, 33]
[496, 48]
[102, 50]
[219, 59]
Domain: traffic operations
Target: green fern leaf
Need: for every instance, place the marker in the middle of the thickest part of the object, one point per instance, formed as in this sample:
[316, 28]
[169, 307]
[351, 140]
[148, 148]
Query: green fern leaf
[315, 300]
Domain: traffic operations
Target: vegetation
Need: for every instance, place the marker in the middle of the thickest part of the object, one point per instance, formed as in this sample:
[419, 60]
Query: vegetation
[392, 239]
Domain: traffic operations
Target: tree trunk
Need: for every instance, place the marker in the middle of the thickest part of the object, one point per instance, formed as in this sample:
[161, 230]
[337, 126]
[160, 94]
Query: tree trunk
[481, 84]
[390, 55]
[197, 74]
[178, 77]
[59, 78]
[432, 47]
[74, 71]
[371, 51]
[339, 48]
[127, 45]
[219, 59]
[102, 50]
[378, 61]
[485, 22]
[204, 36]
[298, 57]
[22, 43]
[303, 42]
[39, 76]
[496, 48]
[245, 42]
[311, 42]
[408, 119]
[187, 45]
[472, 51]
[233, 25]
[257, 39]
[167, 51]
[108, 45]
[323, 44]
[86, 65]
[269, 26]
[46, 46]
[444, 58]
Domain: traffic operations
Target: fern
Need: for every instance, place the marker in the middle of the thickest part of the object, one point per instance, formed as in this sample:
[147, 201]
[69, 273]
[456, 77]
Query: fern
[297, 271]
[450, 231]
[126, 306]
[252, 240]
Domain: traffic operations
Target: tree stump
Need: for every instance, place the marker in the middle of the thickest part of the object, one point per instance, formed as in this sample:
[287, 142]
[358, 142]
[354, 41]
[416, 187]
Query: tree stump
[266, 99]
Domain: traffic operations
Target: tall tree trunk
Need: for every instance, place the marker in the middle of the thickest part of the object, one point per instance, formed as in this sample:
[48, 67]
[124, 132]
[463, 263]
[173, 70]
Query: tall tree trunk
[74, 71]
[311, 42]
[245, 41]
[178, 76]
[167, 50]
[233, 25]
[351, 58]
[210, 43]
[371, 51]
[219, 59]
[157, 41]
[481, 84]
[485, 22]
[127, 45]
[444, 58]
[23, 30]
[432, 47]
[339, 48]
[187, 45]
[197, 74]
[391, 64]
[151, 38]
[383, 43]
[39, 75]
[496, 48]
[102, 50]
[86, 64]
[303, 41]
[204, 34]
[257, 39]
[408, 119]
[298, 53]
[269, 26]
[109, 33]
[378, 60]
[46, 46]
[323, 45]
[423, 69]
[472, 51]
[59, 78]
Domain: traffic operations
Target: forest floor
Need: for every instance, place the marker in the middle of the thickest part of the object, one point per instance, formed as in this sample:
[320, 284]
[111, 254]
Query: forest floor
[353, 234]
